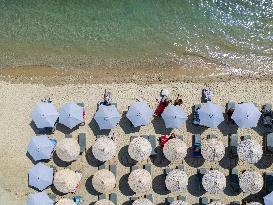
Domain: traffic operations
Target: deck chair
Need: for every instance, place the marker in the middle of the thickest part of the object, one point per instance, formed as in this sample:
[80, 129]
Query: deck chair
[167, 170]
[82, 105]
[234, 180]
[113, 169]
[200, 173]
[181, 198]
[180, 167]
[247, 137]
[204, 200]
[268, 182]
[148, 167]
[196, 120]
[197, 145]
[150, 197]
[134, 167]
[152, 140]
[233, 143]
[102, 166]
[101, 196]
[68, 135]
[113, 197]
[230, 105]
[132, 138]
[212, 136]
[82, 142]
[170, 200]
[269, 143]
[180, 137]
[52, 196]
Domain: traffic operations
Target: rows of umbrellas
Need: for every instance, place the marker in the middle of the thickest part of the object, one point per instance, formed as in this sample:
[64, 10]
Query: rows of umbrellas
[246, 115]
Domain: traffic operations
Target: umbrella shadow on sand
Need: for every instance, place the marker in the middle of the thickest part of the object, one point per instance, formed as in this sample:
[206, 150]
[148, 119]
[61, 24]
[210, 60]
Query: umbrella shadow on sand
[159, 126]
[64, 129]
[96, 129]
[193, 161]
[228, 128]
[124, 186]
[89, 187]
[34, 128]
[159, 186]
[56, 192]
[91, 160]
[126, 125]
[59, 162]
[159, 160]
[195, 187]
[225, 161]
[124, 157]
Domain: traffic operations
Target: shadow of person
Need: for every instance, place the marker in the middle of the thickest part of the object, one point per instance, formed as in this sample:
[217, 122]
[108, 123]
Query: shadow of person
[124, 186]
[124, 157]
[195, 187]
[60, 162]
[126, 125]
[96, 129]
[89, 187]
[159, 186]
[91, 160]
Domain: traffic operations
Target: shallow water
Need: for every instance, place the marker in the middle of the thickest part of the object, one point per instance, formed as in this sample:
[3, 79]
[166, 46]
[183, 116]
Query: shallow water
[236, 34]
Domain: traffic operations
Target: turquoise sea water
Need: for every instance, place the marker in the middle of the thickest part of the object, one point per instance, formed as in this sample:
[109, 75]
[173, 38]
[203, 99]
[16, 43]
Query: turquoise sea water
[137, 33]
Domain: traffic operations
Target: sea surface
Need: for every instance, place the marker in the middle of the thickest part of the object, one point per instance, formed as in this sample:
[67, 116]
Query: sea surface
[234, 34]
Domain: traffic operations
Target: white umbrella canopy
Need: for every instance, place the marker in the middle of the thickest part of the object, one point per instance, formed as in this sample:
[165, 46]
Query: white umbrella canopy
[104, 181]
[174, 116]
[175, 150]
[246, 115]
[107, 117]
[66, 181]
[104, 149]
[210, 115]
[268, 199]
[65, 201]
[139, 113]
[142, 201]
[104, 202]
[179, 202]
[40, 147]
[68, 149]
[140, 181]
[251, 182]
[39, 198]
[214, 181]
[176, 180]
[44, 115]
[140, 149]
[250, 151]
[213, 150]
[71, 115]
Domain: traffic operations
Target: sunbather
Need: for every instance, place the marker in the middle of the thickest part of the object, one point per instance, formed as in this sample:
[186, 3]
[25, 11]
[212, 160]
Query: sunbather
[163, 140]
[165, 101]
[207, 94]
[178, 101]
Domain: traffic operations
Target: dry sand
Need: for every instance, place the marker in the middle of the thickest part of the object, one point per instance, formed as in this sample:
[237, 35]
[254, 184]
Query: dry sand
[17, 101]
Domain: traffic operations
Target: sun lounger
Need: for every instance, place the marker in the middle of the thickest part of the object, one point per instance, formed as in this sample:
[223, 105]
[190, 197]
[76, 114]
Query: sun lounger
[113, 198]
[132, 138]
[200, 173]
[82, 105]
[235, 203]
[233, 143]
[234, 180]
[152, 140]
[54, 168]
[181, 198]
[206, 95]
[167, 170]
[53, 140]
[247, 137]
[146, 137]
[148, 167]
[204, 200]
[212, 136]
[230, 105]
[268, 182]
[269, 143]
[150, 197]
[82, 142]
[180, 137]
[113, 169]
[68, 135]
[196, 120]
[170, 199]
[180, 167]
[134, 168]
[197, 145]
[102, 196]
[102, 166]
[52, 196]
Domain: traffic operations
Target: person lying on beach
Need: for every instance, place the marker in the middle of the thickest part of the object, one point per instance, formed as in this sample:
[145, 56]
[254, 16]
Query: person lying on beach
[165, 101]
[178, 101]
[107, 99]
[164, 139]
[207, 94]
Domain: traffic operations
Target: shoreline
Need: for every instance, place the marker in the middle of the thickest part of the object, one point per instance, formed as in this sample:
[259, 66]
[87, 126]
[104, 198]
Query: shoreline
[39, 74]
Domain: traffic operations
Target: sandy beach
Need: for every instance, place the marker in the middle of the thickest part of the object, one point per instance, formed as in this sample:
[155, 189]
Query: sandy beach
[18, 99]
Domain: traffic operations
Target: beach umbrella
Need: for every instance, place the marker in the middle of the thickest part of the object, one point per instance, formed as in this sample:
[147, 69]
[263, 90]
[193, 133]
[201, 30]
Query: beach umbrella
[140, 181]
[39, 198]
[251, 182]
[246, 115]
[214, 181]
[40, 147]
[40, 176]
[107, 117]
[250, 151]
[140, 149]
[104, 181]
[176, 180]
[268, 199]
[174, 116]
[213, 150]
[142, 201]
[104, 202]
[71, 115]
[104, 149]
[210, 115]
[44, 115]
[68, 149]
[175, 150]
[139, 113]
[65, 201]
[66, 181]
[179, 202]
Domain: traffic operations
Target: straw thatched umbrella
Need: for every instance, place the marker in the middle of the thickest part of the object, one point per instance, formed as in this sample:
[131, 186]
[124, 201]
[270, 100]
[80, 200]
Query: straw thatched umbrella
[140, 149]
[213, 150]
[216, 203]
[179, 202]
[104, 149]
[65, 201]
[104, 181]
[68, 149]
[250, 151]
[66, 181]
[251, 182]
[104, 202]
[214, 181]
[142, 201]
[176, 180]
[140, 181]
[175, 150]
